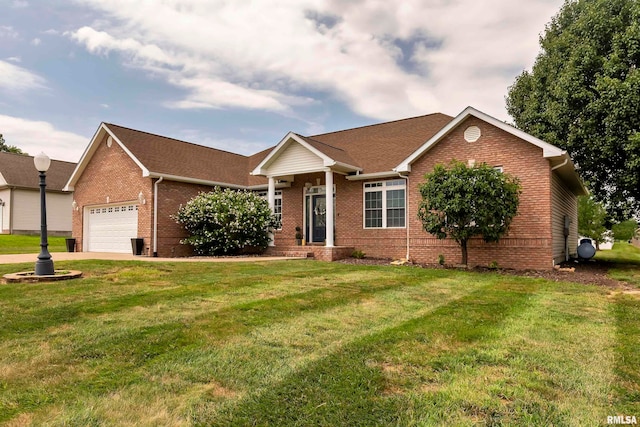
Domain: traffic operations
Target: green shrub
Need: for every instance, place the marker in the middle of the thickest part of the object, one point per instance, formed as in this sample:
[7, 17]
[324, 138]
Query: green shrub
[358, 254]
[226, 222]
[440, 259]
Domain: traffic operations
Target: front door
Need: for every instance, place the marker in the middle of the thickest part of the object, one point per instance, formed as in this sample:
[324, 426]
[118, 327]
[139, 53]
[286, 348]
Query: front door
[318, 218]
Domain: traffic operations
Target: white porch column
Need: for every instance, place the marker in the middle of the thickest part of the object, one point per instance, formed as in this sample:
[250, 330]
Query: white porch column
[271, 199]
[329, 204]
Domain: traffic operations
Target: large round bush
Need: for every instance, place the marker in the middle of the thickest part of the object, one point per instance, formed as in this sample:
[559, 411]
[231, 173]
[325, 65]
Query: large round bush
[224, 222]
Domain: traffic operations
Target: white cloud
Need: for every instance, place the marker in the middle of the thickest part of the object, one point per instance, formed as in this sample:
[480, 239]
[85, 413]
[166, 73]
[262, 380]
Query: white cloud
[36, 42]
[17, 79]
[383, 59]
[15, 59]
[36, 136]
[7, 31]
[19, 4]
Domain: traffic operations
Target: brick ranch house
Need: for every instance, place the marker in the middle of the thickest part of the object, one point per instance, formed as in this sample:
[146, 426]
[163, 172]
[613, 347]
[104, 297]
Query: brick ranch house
[129, 183]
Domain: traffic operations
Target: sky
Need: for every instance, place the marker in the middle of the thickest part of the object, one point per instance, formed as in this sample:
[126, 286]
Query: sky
[238, 75]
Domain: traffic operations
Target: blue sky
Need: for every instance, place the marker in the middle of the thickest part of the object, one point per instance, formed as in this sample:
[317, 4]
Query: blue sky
[238, 75]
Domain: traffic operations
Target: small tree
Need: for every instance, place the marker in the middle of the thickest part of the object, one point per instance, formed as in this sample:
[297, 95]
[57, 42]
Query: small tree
[625, 230]
[591, 219]
[224, 222]
[462, 202]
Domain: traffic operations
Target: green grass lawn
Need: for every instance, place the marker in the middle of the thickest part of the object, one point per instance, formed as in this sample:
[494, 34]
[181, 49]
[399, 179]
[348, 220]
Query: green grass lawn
[625, 262]
[313, 343]
[17, 244]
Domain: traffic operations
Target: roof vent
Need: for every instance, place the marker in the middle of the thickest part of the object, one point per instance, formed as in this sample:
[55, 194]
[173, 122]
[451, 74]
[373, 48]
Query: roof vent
[472, 134]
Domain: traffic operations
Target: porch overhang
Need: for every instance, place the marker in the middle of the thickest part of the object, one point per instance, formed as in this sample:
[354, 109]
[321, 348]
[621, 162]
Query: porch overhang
[296, 155]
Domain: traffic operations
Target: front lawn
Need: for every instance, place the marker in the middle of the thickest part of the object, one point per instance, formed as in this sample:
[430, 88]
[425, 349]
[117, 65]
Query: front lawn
[312, 343]
[625, 262]
[18, 244]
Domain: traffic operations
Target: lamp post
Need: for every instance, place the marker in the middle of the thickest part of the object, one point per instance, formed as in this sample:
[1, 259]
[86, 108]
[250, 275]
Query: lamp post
[44, 265]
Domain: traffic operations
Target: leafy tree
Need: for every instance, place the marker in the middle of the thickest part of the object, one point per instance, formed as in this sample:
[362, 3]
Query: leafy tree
[4, 148]
[592, 218]
[625, 230]
[583, 94]
[462, 202]
[224, 222]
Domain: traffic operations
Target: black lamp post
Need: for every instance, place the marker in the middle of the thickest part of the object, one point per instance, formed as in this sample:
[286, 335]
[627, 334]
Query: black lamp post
[44, 265]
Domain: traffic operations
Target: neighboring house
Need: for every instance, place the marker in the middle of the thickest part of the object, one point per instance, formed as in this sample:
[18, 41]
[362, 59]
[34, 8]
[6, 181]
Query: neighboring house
[130, 183]
[20, 196]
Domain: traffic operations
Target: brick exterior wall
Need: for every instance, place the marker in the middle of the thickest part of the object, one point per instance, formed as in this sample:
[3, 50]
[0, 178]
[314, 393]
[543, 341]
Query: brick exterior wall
[171, 195]
[529, 242]
[528, 245]
[111, 177]
[112, 174]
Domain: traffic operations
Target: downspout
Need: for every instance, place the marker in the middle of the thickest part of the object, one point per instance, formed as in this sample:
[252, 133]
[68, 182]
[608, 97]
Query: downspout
[560, 165]
[155, 216]
[406, 195]
[11, 190]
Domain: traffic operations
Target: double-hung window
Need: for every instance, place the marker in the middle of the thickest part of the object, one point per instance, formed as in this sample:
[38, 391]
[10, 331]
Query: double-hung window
[277, 207]
[385, 204]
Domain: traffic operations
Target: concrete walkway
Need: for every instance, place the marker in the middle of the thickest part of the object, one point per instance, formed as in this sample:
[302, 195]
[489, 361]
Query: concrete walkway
[73, 256]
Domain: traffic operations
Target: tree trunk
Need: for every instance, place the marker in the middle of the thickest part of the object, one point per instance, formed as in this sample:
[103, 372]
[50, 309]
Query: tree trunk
[463, 246]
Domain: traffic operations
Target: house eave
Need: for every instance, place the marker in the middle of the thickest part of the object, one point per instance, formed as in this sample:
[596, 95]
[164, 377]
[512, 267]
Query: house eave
[198, 181]
[373, 175]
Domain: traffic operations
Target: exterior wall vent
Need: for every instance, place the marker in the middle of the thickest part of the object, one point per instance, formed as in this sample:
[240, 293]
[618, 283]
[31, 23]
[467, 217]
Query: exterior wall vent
[110, 141]
[472, 134]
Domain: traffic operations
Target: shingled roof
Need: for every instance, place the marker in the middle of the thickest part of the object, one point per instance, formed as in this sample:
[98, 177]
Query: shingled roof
[373, 148]
[168, 156]
[18, 171]
[381, 147]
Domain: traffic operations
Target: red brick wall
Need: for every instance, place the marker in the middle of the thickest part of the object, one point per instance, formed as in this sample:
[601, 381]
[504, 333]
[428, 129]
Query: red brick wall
[527, 245]
[171, 195]
[112, 177]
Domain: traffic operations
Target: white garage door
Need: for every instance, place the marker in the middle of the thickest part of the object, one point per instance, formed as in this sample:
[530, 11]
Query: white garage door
[111, 228]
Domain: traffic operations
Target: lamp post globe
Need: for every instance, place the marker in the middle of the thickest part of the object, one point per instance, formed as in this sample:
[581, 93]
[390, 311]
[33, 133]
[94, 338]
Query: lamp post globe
[44, 265]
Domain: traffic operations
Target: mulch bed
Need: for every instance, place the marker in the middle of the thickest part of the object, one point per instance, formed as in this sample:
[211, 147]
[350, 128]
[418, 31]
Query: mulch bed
[591, 272]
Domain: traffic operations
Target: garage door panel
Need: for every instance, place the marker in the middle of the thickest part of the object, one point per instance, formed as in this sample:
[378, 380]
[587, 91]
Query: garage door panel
[111, 228]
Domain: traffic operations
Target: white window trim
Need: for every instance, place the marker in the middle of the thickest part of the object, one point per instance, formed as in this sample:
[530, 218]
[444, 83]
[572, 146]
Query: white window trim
[393, 184]
[278, 196]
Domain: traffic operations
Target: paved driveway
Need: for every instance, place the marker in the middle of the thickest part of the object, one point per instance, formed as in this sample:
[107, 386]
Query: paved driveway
[72, 256]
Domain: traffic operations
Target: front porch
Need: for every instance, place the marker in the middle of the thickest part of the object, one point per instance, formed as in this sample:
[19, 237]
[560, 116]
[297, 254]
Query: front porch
[320, 253]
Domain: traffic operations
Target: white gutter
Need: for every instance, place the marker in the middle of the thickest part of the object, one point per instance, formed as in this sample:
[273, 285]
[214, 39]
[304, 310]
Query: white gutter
[155, 216]
[566, 160]
[374, 175]
[194, 180]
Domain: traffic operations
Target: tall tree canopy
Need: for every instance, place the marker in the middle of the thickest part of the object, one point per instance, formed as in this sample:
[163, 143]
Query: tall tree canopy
[583, 94]
[4, 148]
[463, 202]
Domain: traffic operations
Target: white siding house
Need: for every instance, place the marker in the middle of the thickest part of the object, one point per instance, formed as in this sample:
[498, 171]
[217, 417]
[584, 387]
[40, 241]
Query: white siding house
[20, 196]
